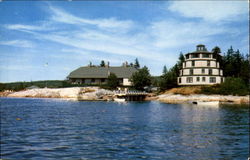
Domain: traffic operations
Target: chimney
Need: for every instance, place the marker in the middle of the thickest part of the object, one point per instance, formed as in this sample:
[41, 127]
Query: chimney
[107, 64]
[125, 64]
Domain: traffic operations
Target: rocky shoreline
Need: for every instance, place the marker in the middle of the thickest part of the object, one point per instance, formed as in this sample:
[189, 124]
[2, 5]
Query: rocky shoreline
[180, 99]
[73, 93]
[96, 94]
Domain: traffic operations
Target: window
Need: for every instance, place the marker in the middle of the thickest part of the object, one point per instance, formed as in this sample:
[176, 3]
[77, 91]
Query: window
[193, 63]
[191, 71]
[187, 56]
[205, 55]
[203, 71]
[212, 79]
[198, 79]
[203, 79]
[208, 63]
[189, 79]
[179, 80]
[221, 80]
[181, 72]
[195, 55]
[210, 71]
[92, 80]
[103, 80]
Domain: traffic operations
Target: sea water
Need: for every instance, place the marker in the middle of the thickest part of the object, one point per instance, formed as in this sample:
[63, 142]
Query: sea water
[44, 129]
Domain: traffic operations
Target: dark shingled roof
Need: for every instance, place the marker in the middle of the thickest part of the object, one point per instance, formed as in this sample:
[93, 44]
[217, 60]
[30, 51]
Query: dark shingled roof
[198, 52]
[102, 72]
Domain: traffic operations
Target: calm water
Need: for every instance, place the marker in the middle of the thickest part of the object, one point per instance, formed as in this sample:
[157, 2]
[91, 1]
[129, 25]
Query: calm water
[59, 129]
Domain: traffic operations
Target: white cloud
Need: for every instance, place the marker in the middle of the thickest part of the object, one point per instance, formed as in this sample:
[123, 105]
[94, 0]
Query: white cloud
[110, 23]
[18, 43]
[79, 54]
[110, 39]
[174, 34]
[211, 10]
[26, 27]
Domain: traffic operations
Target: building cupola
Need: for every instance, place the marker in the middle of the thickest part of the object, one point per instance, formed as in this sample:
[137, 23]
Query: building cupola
[201, 47]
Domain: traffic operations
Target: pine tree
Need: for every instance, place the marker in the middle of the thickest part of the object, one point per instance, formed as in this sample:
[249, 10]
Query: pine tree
[102, 63]
[136, 64]
[165, 70]
[181, 60]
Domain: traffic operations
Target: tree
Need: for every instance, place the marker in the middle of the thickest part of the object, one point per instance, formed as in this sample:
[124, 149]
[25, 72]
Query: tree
[181, 60]
[131, 64]
[136, 64]
[234, 86]
[102, 63]
[112, 81]
[165, 70]
[216, 53]
[169, 79]
[141, 78]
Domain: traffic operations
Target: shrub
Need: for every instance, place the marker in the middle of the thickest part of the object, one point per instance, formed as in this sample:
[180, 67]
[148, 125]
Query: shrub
[234, 86]
[112, 81]
[231, 86]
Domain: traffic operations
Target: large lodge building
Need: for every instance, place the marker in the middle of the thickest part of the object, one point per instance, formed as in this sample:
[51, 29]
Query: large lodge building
[200, 68]
[96, 75]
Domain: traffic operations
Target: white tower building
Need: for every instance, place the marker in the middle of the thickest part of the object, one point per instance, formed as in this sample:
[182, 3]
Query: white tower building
[200, 68]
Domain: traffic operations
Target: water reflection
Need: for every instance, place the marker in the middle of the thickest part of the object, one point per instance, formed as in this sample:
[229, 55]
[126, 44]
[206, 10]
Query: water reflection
[108, 130]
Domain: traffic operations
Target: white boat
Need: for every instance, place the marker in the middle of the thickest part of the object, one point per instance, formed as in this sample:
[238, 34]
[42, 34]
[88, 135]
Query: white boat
[202, 103]
[120, 99]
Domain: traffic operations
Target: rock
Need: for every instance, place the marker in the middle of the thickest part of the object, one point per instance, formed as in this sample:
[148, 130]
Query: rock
[79, 93]
[177, 98]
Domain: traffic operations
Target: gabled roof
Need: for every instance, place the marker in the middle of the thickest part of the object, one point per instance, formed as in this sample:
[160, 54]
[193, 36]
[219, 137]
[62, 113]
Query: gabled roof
[102, 72]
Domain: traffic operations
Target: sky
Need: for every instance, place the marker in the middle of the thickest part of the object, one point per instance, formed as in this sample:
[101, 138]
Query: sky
[46, 40]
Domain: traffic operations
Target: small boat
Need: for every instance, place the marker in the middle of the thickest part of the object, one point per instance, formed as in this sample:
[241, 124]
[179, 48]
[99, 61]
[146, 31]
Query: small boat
[120, 99]
[202, 103]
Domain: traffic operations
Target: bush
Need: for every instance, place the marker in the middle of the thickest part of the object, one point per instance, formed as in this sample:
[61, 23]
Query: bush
[234, 86]
[141, 78]
[112, 81]
[231, 86]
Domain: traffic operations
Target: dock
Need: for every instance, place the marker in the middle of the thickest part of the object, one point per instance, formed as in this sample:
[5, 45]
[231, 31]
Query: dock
[130, 95]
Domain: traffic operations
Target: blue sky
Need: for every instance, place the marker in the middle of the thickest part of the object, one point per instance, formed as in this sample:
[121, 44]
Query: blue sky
[70, 34]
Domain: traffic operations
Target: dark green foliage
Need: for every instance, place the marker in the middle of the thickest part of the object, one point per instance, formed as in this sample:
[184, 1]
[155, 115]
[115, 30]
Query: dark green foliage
[165, 70]
[113, 81]
[231, 86]
[181, 60]
[136, 64]
[235, 64]
[102, 63]
[169, 78]
[141, 78]
[155, 80]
